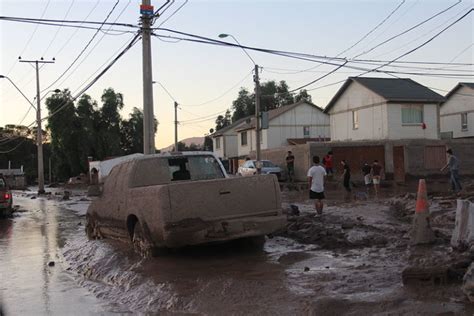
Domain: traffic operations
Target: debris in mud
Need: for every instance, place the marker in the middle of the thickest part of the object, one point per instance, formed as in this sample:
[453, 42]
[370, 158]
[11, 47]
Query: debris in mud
[333, 232]
[51, 264]
[66, 195]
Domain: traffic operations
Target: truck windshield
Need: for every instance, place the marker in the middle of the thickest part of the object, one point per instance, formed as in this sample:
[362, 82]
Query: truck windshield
[2, 183]
[194, 168]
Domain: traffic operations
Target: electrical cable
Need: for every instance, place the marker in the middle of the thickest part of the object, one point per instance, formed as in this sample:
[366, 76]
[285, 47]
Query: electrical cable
[57, 31]
[365, 36]
[83, 90]
[408, 30]
[93, 47]
[14, 148]
[30, 38]
[83, 50]
[421, 36]
[172, 14]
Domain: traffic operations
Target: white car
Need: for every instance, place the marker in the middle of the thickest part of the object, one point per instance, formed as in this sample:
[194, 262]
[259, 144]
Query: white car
[249, 168]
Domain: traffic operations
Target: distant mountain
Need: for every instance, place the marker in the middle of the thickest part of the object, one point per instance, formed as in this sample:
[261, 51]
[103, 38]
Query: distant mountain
[187, 141]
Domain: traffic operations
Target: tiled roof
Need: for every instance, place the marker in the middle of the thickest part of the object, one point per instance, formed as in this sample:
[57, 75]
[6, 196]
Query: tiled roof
[392, 90]
[277, 112]
[458, 86]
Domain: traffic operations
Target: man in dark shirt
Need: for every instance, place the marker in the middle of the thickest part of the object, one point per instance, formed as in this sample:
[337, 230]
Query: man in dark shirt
[346, 175]
[290, 165]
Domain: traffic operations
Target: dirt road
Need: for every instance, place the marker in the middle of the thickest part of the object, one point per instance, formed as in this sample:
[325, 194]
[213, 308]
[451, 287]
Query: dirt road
[347, 262]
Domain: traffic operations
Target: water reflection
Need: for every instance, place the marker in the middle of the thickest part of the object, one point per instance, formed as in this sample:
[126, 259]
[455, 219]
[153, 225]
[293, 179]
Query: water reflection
[28, 242]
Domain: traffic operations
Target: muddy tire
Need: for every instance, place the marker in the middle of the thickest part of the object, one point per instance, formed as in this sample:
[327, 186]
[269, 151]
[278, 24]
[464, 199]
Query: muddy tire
[141, 244]
[92, 228]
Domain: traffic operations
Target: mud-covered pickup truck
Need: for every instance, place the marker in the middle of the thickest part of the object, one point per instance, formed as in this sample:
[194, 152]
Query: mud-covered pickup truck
[174, 200]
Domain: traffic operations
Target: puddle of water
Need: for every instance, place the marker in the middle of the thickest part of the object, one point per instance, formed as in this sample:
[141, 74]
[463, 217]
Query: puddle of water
[28, 243]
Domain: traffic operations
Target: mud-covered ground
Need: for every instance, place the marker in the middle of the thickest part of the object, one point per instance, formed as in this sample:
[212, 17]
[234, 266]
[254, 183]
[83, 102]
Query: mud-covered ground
[349, 261]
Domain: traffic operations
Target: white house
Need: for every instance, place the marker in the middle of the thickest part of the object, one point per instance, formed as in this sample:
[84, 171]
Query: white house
[295, 123]
[384, 108]
[457, 112]
[225, 140]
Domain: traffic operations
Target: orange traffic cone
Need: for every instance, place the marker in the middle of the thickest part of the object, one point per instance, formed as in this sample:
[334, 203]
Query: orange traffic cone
[421, 232]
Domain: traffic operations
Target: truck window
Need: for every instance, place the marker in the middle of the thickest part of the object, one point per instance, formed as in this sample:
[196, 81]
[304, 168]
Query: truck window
[2, 183]
[205, 168]
[179, 169]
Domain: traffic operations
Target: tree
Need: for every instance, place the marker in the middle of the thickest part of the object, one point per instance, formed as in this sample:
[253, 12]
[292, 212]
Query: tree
[132, 133]
[109, 126]
[303, 95]
[66, 135]
[223, 120]
[244, 105]
[208, 145]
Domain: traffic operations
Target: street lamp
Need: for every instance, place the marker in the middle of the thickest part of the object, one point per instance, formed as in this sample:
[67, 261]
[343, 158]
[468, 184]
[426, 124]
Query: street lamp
[31, 103]
[257, 102]
[39, 141]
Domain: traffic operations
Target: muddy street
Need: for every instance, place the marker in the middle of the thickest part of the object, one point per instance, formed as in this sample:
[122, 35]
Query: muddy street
[347, 261]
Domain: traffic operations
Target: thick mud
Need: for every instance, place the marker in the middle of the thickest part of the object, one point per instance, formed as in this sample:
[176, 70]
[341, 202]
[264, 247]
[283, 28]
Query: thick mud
[349, 261]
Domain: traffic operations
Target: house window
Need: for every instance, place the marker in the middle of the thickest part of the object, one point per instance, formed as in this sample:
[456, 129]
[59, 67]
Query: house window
[218, 143]
[412, 114]
[355, 119]
[464, 121]
[306, 131]
[243, 138]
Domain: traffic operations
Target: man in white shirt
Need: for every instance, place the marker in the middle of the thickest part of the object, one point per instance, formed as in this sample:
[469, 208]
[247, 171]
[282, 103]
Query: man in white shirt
[316, 175]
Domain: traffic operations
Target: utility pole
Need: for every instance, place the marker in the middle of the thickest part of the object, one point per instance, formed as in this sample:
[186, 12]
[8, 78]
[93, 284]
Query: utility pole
[39, 133]
[175, 126]
[146, 9]
[257, 119]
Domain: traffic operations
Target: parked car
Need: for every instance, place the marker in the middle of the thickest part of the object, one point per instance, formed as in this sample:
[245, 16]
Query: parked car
[6, 198]
[178, 199]
[249, 169]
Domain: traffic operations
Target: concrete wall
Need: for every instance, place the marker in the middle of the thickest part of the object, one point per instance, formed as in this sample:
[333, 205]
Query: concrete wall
[291, 125]
[372, 115]
[397, 130]
[460, 102]
[278, 156]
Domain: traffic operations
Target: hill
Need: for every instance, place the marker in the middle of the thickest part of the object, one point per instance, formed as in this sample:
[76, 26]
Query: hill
[187, 141]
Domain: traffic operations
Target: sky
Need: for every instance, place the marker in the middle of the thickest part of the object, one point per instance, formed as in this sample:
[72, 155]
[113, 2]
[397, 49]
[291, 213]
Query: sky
[205, 79]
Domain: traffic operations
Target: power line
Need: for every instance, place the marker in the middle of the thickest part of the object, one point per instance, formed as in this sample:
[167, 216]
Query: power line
[57, 31]
[462, 52]
[31, 37]
[365, 36]
[14, 148]
[172, 14]
[223, 94]
[421, 36]
[83, 90]
[95, 45]
[408, 30]
[300, 56]
[428, 41]
[83, 50]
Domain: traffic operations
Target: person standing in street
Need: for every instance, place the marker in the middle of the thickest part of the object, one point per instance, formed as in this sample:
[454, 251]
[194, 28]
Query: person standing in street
[290, 165]
[316, 175]
[376, 176]
[328, 165]
[453, 165]
[366, 170]
[346, 179]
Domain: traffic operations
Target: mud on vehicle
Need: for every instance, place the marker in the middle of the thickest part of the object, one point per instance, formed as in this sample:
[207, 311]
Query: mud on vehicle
[175, 200]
